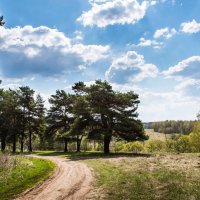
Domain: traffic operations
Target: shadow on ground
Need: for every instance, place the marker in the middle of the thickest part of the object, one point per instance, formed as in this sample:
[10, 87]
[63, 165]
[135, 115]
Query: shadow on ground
[88, 155]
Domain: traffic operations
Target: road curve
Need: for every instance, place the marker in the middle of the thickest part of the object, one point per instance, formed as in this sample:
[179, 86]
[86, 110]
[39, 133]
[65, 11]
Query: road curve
[72, 180]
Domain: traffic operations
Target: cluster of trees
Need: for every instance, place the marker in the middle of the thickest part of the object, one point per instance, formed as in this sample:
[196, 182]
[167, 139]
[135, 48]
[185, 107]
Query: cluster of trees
[94, 112]
[169, 127]
[21, 117]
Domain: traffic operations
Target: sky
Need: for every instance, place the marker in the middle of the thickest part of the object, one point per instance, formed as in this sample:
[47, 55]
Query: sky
[151, 47]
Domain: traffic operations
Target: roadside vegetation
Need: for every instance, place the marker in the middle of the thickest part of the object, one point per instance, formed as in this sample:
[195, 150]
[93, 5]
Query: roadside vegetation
[157, 176]
[18, 173]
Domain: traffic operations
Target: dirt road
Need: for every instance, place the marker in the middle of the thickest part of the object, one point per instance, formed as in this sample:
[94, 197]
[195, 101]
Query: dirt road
[71, 180]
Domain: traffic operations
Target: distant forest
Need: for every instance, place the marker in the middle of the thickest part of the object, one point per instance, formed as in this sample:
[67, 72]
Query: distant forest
[171, 126]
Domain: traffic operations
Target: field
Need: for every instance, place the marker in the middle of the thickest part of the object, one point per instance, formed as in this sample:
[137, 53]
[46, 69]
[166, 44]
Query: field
[156, 136]
[160, 177]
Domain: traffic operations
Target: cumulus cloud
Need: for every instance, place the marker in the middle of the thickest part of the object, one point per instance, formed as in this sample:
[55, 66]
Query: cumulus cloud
[190, 27]
[185, 83]
[78, 36]
[165, 32]
[43, 51]
[147, 43]
[130, 67]
[104, 13]
[168, 106]
[187, 68]
[157, 106]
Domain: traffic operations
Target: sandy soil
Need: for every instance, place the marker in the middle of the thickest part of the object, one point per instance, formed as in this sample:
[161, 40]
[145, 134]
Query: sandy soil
[71, 180]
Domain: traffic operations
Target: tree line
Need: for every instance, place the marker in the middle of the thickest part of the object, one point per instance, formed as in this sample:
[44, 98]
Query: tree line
[171, 126]
[94, 112]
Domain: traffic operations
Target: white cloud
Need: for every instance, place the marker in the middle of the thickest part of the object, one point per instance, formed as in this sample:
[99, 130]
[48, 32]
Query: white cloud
[44, 51]
[115, 12]
[130, 67]
[189, 68]
[40, 36]
[175, 105]
[190, 27]
[165, 32]
[12, 86]
[157, 106]
[78, 36]
[185, 82]
[147, 43]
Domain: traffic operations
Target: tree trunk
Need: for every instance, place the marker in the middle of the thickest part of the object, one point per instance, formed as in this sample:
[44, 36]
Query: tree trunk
[65, 145]
[3, 144]
[107, 140]
[30, 137]
[30, 142]
[22, 143]
[14, 143]
[23, 133]
[78, 145]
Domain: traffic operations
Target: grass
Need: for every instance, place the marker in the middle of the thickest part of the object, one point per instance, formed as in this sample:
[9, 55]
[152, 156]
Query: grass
[18, 173]
[157, 136]
[141, 176]
[135, 179]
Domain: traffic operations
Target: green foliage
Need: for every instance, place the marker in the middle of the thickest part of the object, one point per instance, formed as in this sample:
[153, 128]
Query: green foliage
[60, 116]
[119, 146]
[134, 147]
[194, 139]
[112, 113]
[21, 118]
[169, 127]
[182, 144]
[154, 146]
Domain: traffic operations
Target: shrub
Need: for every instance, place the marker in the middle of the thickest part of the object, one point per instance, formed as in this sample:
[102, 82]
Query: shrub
[154, 145]
[183, 145]
[194, 139]
[134, 147]
[170, 145]
[119, 146]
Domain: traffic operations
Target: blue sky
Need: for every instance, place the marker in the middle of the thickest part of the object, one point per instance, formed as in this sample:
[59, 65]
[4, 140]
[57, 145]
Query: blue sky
[148, 46]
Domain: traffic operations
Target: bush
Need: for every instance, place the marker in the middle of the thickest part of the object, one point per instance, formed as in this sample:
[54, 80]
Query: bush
[183, 145]
[119, 146]
[134, 147]
[194, 139]
[170, 145]
[154, 146]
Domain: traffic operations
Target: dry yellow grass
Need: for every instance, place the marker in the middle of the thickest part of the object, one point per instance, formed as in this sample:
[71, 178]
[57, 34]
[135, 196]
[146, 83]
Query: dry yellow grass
[156, 136]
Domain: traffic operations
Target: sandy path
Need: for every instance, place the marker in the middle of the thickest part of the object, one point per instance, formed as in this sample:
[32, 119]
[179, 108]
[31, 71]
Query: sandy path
[71, 180]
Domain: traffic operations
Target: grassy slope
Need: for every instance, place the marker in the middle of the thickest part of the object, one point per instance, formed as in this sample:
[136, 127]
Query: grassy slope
[25, 174]
[146, 178]
[156, 136]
